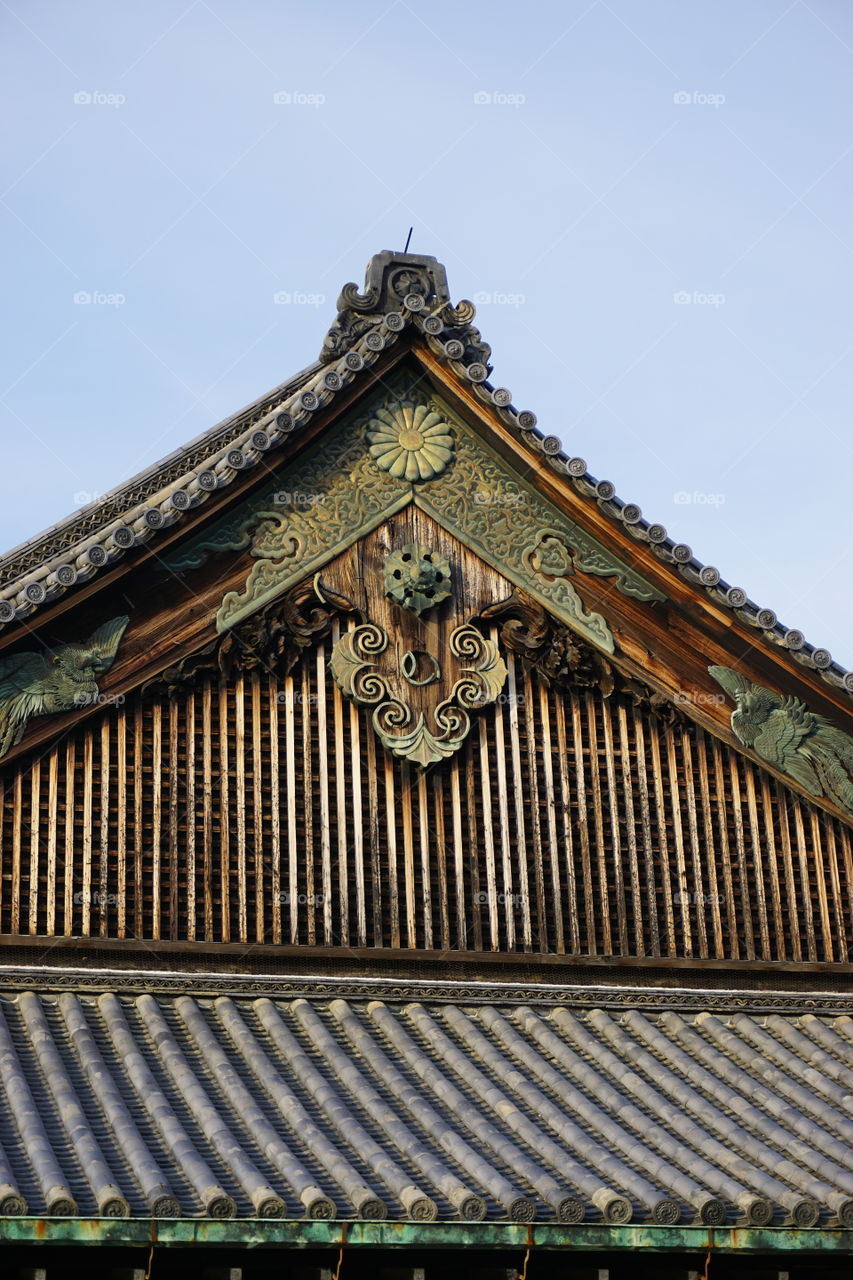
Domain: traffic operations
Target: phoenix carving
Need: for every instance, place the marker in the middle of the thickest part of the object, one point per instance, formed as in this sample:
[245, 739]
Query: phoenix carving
[799, 742]
[42, 684]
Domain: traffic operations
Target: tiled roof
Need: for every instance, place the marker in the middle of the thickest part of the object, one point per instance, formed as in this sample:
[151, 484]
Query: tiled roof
[129, 1104]
[76, 549]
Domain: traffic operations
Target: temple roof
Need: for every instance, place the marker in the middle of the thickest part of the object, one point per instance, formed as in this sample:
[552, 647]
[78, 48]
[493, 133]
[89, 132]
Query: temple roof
[405, 298]
[366, 1101]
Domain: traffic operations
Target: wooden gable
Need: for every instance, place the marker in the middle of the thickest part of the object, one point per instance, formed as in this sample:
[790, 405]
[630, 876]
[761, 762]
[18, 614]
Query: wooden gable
[221, 778]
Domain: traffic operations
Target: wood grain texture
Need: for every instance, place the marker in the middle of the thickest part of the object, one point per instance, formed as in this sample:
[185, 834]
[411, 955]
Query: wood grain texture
[260, 808]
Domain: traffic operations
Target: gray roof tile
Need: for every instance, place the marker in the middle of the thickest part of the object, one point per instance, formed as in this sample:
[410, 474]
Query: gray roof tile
[260, 1107]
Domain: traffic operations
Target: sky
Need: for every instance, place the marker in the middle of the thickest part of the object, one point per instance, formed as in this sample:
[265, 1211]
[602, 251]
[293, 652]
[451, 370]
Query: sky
[648, 201]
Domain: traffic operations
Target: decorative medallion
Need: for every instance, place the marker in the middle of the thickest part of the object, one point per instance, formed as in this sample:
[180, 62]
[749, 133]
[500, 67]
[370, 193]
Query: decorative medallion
[417, 577]
[42, 684]
[781, 730]
[410, 441]
[365, 670]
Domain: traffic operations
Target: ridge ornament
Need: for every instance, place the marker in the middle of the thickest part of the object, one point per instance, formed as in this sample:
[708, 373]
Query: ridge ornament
[781, 730]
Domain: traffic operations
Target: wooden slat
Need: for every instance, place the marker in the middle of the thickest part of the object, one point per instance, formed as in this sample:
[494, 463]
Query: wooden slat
[224, 876]
[756, 882]
[555, 890]
[52, 886]
[17, 851]
[612, 809]
[156, 819]
[103, 896]
[496, 909]
[207, 854]
[792, 891]
[121, 821]
[410, 905]
[425, 862]
[292, 845]
[191, 815]
[505, 831]
[34, 894]
[703, 900]
[240, 807]
[175, 854]
[637, 947]
[568, 851]
[342, 760]
[259, 853]
[590, 905]
[273, 691]
[325, 804]
[86, 843]
[518, 804]
[440, 848]
[685, 889]
[717, 947]
[649, 858]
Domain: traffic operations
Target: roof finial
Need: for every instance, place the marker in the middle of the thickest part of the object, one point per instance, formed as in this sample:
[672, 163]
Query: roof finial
[408, 238]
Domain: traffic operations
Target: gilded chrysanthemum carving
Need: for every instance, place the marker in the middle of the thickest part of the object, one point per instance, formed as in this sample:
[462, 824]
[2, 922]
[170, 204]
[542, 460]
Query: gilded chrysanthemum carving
[410, 441]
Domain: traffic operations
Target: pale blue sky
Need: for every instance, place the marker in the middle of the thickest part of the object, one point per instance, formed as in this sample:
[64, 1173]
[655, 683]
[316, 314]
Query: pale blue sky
[631, 154]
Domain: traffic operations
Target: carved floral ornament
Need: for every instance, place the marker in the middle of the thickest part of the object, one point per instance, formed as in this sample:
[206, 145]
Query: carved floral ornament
[410, 441]
[480, 676]
[422, 700]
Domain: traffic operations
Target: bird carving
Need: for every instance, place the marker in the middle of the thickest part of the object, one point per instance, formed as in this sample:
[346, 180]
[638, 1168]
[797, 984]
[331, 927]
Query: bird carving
[41, 684]
[799, 742]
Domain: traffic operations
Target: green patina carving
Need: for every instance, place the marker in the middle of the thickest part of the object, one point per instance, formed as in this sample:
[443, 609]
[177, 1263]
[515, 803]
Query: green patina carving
[363, 471]
[356, 669]
[42, 684]
[417, 577]
[781, 730]
[521, 534]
